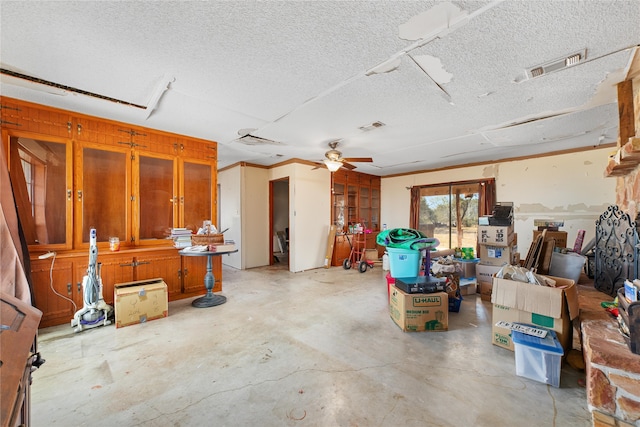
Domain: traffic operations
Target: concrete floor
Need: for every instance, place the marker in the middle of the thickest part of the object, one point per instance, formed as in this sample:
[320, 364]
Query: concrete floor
[294, 349]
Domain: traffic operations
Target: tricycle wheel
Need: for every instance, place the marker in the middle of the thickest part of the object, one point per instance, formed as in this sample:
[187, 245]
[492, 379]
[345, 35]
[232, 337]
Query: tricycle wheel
[362, 267]
[346, 264]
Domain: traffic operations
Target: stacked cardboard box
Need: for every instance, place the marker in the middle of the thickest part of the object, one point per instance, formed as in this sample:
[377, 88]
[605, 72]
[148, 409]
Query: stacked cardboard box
[548, 307]
[498, 247]
[419, 312]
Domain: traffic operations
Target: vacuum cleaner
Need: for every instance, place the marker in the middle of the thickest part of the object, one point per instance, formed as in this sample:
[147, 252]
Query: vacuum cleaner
[95, 312]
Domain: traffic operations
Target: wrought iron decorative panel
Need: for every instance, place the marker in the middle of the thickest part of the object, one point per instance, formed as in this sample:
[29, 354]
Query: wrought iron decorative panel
[616, 250]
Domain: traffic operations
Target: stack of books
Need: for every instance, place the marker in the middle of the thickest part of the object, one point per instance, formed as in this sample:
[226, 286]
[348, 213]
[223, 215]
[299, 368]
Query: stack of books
[181, 237]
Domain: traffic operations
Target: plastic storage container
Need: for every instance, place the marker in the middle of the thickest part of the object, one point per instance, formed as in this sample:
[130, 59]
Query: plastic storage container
[538, 359]
[403, 262]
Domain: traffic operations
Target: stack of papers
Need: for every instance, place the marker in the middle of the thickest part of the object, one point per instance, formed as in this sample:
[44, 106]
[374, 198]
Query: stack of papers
[197, 248]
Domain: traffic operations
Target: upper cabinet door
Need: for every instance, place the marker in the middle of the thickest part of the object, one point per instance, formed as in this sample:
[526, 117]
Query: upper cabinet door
[156, 207]
[103, 193]
[197, 194]
[41, 177]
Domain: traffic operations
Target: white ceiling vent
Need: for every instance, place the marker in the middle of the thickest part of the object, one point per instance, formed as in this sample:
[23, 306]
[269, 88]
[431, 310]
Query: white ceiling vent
[371, 126]
[256, 140]
[557, 64]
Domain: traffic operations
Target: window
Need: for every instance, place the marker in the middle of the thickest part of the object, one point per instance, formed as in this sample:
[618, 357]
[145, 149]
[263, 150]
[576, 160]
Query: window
[450, 211]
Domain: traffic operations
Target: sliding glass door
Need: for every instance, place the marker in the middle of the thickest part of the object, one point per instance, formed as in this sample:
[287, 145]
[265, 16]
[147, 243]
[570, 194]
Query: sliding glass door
[449, 212]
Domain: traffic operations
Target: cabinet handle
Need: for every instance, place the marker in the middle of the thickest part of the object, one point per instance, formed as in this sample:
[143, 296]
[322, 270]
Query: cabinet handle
[69, 288]
[179, 274]
[79, 195]
[68, 194]
[186, 271]
[133, 264]
[79, 287]
[79, 128]
[142, 263]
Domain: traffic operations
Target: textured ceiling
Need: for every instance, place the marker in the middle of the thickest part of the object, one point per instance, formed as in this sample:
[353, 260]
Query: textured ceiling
[448, 79]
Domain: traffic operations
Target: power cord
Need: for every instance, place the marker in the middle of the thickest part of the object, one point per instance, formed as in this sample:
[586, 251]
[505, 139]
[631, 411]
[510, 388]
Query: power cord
[53, 260]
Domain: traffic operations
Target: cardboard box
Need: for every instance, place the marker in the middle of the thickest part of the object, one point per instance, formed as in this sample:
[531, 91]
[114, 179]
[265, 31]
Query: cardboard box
[495, 235]
[468, 286]
[498, 255]
[559, 236]
[486, 289]
[484, 275]
[544, 306]
[141, 301]
[484, 272]
[419, 312]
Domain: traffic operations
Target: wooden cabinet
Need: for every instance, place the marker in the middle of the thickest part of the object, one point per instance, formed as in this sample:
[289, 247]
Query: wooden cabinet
[341, 248]
[184, 277]
[51, 287]
[193, 271]
[71, 173]
[355, 200]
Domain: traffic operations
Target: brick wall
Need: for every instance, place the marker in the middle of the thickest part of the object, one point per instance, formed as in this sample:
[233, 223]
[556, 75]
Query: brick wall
[628, 186]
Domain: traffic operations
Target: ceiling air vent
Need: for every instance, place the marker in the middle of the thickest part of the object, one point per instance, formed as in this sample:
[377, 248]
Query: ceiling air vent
[371, 126]
[256, 140]
[557, 64]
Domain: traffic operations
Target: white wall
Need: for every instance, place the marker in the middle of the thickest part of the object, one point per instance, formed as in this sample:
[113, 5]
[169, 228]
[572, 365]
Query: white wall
[309, 214]
[568, 187]
[244, 208]
[230, 212]
[255, 214]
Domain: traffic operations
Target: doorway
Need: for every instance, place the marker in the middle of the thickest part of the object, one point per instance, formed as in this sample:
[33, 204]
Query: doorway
[279, 223]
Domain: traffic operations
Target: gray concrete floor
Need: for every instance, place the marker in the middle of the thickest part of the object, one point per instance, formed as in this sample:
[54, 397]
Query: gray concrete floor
[316, 348]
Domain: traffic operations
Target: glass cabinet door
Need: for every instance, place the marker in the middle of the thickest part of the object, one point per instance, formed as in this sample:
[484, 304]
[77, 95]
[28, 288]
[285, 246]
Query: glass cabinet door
[41, 180]
[364, 206]
[197, 193]
[352, 204]
[156, 197]
[338, 206]
[103, 194]
[375, 208]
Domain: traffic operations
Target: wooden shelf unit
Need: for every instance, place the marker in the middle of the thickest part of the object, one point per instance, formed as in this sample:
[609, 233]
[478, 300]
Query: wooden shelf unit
[72, 172]
[355, 199]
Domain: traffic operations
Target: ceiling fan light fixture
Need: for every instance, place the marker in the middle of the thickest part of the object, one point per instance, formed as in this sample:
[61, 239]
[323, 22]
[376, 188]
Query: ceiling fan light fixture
[332, 165]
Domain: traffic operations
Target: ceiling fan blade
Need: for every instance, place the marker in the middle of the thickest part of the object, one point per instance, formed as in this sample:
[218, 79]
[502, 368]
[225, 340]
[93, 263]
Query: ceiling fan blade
[358, 159]
[348, 165]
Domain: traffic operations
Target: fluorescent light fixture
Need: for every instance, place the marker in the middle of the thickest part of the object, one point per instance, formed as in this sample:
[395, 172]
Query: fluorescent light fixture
[332, 165]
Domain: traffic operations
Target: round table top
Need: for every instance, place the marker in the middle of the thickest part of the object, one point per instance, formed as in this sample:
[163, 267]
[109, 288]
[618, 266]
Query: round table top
[203, 253]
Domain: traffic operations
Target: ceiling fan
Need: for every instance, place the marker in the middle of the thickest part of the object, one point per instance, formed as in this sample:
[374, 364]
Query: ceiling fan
[335, 161]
